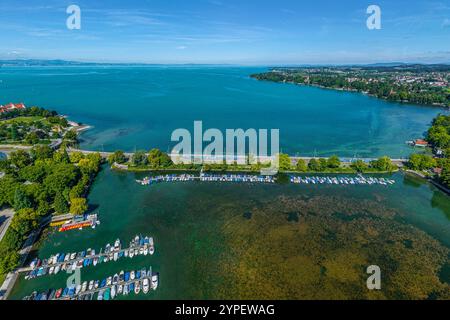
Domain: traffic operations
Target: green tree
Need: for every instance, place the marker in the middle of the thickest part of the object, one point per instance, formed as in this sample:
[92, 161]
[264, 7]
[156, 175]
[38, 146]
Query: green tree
[383, 164]
[8, 187]
[314, 165]
[35, 173]
[139, 158]
[333, 162]
[21, 199]
[445, 175]
[20, 158]
[41, 152]
[301, 165]
[285, 162]
[75, 157]
[71, 138]
[32, 138]
[158, 159]
[359, 165]
[61, 156]
[78, 206]
[118, 156]
[421, 162]
[60, 204]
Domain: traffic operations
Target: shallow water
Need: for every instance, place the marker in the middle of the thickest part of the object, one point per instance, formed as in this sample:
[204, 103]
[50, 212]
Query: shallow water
[216, 240]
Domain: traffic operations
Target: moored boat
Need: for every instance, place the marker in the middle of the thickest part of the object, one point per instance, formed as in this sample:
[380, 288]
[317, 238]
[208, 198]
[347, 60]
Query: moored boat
[145, 285]
[137, 287]
[154, 281]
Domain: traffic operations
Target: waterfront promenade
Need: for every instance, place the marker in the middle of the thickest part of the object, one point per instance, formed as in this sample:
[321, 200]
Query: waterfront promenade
[7, 149]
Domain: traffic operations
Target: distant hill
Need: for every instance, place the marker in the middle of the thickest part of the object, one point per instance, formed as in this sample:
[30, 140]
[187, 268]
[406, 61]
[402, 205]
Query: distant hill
[37, 62]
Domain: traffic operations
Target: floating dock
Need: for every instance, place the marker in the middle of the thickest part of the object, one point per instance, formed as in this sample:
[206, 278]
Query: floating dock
[359, 180]
[124, 283]
[71, 261]
[207, 177]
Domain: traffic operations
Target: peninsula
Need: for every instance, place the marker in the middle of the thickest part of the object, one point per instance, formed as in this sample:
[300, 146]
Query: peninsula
[417, 83]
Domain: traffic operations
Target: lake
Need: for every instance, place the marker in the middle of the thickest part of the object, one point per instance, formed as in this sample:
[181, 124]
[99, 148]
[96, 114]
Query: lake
[251, 241]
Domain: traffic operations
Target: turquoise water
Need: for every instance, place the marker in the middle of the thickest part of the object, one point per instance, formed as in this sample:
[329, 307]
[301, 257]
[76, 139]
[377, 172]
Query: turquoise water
[203, 229]
[246, 240]
[139, 107]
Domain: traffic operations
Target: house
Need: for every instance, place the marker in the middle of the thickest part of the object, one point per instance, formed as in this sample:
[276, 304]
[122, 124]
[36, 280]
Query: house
[11, 106]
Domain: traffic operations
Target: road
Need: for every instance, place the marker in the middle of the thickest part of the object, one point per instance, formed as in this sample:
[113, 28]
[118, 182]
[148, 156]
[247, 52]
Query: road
[5, 220]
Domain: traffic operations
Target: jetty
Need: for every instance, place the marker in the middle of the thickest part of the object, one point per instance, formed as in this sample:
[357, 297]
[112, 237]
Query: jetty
[359, 180]
[109, 288]
[295, 179]
[71, 261]
[207, 177]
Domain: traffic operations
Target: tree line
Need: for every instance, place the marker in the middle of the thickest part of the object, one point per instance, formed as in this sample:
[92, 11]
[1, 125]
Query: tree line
[39, 183]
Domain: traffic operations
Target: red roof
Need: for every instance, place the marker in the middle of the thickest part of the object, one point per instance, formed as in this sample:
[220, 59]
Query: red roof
[11, 106]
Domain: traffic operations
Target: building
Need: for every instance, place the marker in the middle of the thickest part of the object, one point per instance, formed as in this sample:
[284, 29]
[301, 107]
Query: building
[10, 107]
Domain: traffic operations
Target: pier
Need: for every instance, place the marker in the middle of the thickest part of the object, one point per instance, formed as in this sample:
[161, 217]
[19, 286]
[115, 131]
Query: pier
[106, 289]
[60, 262]
[207, 177]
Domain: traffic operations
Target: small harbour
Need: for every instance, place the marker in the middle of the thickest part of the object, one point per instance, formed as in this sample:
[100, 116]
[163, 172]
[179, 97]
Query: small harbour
[207, 177]
[204, 177]
[359, 180]
[124, 283]
[69, 262]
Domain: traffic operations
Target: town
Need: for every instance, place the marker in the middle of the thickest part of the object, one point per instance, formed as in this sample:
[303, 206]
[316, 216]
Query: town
[421, 84]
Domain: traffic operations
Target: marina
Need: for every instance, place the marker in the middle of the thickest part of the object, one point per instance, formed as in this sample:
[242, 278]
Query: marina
[72, 260]
[359, 180]
[123, 283]
[207, 177]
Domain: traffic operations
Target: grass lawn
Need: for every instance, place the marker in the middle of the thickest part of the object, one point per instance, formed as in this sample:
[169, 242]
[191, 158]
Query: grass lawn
[22, 119]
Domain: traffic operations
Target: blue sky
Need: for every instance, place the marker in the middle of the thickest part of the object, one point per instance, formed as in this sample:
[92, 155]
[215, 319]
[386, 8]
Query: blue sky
[226, 31]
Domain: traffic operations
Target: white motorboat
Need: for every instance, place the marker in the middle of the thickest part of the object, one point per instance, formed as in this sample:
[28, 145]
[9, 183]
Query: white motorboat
[145, 285]
[155, 281]
[78, 289]
[137, 287]
[113, 291]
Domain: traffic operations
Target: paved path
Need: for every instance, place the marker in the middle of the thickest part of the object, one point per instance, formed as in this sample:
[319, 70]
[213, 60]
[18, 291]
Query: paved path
[5, 220]
[11, 277]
